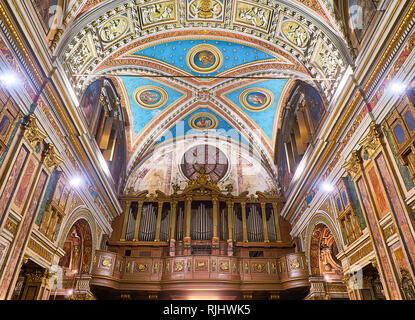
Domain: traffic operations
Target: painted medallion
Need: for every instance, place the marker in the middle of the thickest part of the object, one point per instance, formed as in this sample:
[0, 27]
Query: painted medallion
[150, 97]
[256, 99]
[204, 58]
[203, 121]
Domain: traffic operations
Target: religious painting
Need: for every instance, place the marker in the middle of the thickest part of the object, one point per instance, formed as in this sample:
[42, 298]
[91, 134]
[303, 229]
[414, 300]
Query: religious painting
[295, 33]
[204, 58]
[362, 13]
[315, 105]
[90, 100]
[47, 13]
[256, 99]
[203, 121]
[150, 97]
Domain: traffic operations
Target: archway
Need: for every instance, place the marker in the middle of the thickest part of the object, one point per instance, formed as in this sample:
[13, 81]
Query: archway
[76, 263]
[326, 269]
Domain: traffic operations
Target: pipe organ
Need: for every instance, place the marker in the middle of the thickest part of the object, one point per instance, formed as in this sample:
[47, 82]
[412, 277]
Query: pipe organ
[202, 237]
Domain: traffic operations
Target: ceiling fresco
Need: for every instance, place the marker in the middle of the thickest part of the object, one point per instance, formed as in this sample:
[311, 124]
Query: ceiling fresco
[146, 99]
[260, 102]
[203, 121]
[201, 57]
[212, 65]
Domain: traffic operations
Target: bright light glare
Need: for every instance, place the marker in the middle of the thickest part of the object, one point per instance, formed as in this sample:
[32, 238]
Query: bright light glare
[70, 292]
[398, 87]
[299, 170]
[9, 79]
[327, 187]
[76, 182]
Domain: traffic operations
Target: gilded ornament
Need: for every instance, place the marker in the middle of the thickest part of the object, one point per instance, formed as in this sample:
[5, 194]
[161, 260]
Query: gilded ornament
[294, 264]
[161, 11]
[106, 263]
[50, 158]
[252, 15]
[295, 33]
[205, 9]
[178, 266]
[372, 141]
[32, 132]
[114, 29]
[224, 266]
[141, 267]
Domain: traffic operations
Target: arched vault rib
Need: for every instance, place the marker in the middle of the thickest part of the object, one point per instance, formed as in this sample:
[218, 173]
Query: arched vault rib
[323, 38]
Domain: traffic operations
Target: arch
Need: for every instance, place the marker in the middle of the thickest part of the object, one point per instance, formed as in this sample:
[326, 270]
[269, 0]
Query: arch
[300, 119]
[79, 213]
[102, 110]
[321, 217]
[78, 249]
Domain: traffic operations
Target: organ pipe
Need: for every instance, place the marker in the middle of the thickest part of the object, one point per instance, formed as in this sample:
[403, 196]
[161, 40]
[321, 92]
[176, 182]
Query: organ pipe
[164, 225]
[130, 225]
[271, 226]
[179, 224]
[264, 222]
[126, 220]
[138, 221]
[223, 224]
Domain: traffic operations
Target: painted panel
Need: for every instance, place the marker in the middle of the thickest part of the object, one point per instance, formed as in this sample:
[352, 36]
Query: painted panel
[193, 124]
[397, 209]
[24, 233]
[379, 196]
[90, 100]
[361, 14]
[45, 10]
[25, 183]
[10, 185]
[265, 118]
[378, 241]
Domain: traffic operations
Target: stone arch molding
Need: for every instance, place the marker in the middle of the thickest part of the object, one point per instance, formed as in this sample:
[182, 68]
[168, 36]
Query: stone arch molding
[81, 49]
[80, 213]
[321, 217]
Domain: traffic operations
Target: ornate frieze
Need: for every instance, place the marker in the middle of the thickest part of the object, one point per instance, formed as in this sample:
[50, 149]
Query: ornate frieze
[361, 253]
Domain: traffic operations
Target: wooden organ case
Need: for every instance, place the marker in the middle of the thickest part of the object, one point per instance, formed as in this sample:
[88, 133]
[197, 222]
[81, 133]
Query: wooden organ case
[200, 242]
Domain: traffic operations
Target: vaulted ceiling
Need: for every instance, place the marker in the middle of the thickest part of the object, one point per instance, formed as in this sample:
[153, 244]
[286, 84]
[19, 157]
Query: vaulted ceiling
[221, 65]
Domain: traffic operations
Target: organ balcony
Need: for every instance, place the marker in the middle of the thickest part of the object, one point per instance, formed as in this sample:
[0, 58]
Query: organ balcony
[199, 240]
